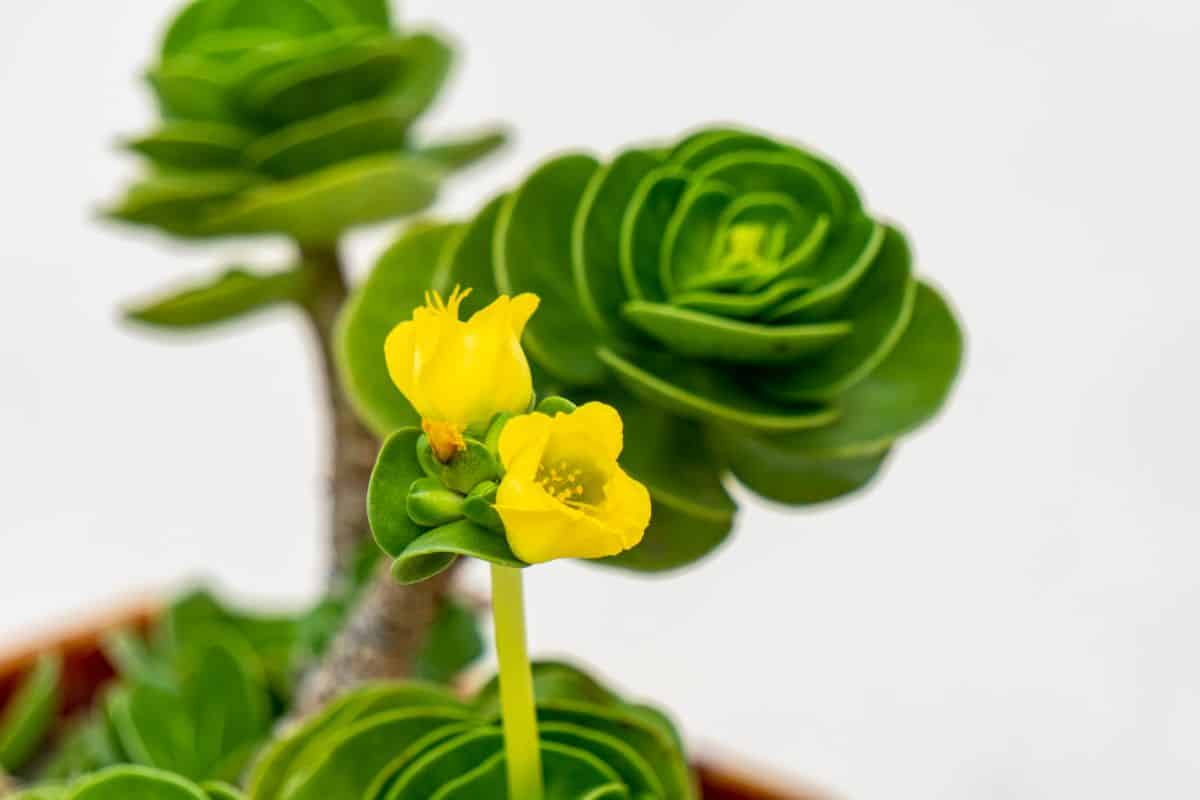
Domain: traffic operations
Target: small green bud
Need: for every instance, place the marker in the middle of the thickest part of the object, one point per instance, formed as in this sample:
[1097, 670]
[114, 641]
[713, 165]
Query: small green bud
[471, 467]
[479, 507]
[555, 405]
[431, 504]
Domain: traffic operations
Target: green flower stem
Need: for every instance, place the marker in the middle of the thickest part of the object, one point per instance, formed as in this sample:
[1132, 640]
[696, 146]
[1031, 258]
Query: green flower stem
[516, 686]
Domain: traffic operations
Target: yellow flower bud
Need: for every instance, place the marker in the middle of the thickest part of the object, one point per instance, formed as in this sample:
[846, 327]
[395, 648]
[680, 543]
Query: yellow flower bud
[563, 494]
[456, 374]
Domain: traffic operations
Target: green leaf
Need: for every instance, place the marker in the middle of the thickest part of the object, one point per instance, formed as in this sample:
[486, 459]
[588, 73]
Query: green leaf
[319, 207]
[452, 643]
[347, 761]
[533, 254]
[769, 467]
[135, 783]
[695, 334]
[465, 151]
[217, 790]
[30, 712]
[355, 72]
[903, 392]
[435, 550]
[376, 125]
[635, 773]
[396, 286]
[194, 145]
[879, 310]
[396, 469]
[179, 203]
[698, 392]
[430, 503]
[596, 239]
[234, 294]
[649, 212]
[188, 89]
[466, 260]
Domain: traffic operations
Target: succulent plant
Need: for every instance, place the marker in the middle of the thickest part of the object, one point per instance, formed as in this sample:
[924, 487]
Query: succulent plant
[291, 117]
[728, 293]
[27, 718]
[413, 741]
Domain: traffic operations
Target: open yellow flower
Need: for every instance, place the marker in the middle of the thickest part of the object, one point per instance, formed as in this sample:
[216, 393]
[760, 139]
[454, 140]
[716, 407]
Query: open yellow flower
[456, 374]
[563, 494]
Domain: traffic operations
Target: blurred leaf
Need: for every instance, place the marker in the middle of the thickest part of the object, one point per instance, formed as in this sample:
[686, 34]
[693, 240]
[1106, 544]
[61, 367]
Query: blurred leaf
[317, 208]
[30, 712]
[462, 152]
[234, 294]
[135, 783]
[452, 644]
[194, 145]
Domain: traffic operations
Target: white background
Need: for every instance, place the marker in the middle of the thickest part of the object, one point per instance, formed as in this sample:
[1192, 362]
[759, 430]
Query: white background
[1010, 612]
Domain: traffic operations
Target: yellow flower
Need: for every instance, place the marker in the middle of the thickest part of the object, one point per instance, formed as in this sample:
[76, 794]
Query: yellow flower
[563, 494]
[458, 375]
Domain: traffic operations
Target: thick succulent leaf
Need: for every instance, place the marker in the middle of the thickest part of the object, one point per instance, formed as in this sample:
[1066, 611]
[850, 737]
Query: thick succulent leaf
[552, 680]
[444, 763]
[696, 391]
[219, 790]
[301, 748]
[452, 643]
[711, 145]
[348, 760]
[596, 238]
[234, 294]
[225, 692]
[189, 89]
[356, 72]
[903, 392]
[194, 145]
[694, 228]
[372, 126]
[135, 783]
[396, 468]
[849, 255]
[635, 772]
[367, 12]
[152, 727]
[29, 714]
[466, 260]
[464, 151]
[649, 212]
[435, 550]
[786, 172]
[748, 305]
[769, 467]
[395, 287]
[317, 208]
[695, 334]
[657, 745]
[879, 311]
[180, 202]
[533, 254]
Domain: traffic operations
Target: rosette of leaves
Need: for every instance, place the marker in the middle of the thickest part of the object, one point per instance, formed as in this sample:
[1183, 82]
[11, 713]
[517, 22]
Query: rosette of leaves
[291, 117]
[729, 293]
[392, 741]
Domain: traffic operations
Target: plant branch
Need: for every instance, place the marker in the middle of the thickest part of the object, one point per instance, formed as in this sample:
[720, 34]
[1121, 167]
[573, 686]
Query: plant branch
[353, 447]
[386, 629]
[380, 639]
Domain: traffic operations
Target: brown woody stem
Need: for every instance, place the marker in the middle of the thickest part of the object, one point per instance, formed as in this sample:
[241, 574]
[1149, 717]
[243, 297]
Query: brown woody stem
[387, 627]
